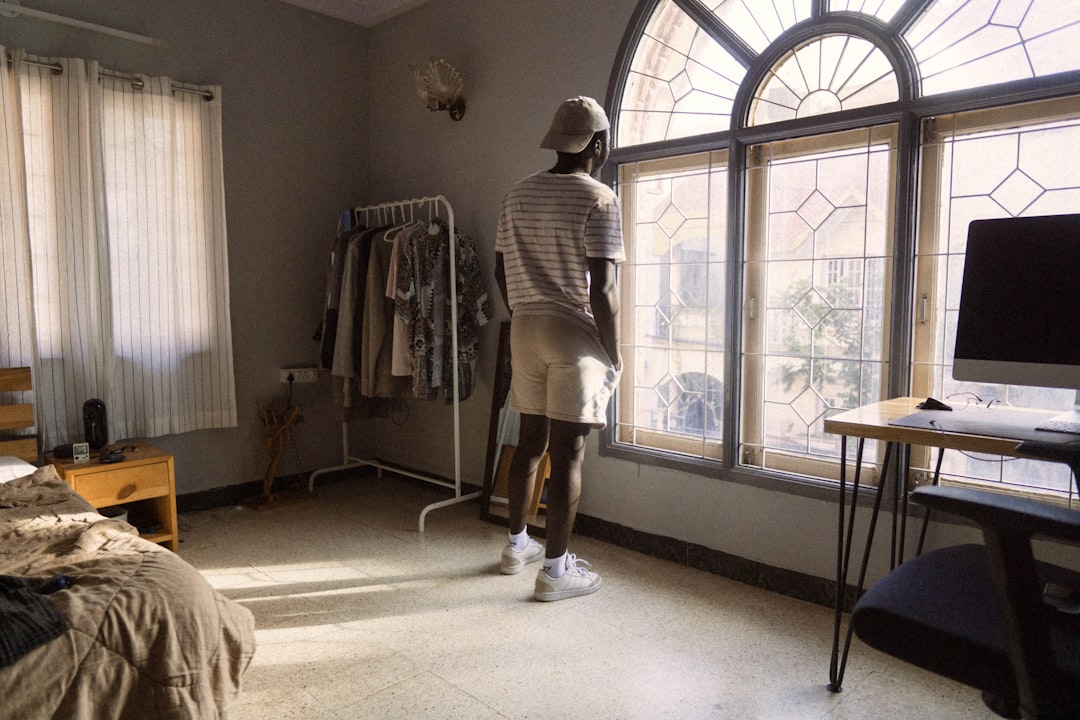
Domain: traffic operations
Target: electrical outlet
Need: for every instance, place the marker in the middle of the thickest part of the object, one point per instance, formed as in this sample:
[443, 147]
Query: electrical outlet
[298, 375]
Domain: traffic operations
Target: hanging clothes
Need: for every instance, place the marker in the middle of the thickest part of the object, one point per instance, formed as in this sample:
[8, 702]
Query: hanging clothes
[401, 341]
[335, 271]
[376, 376]
[348, 345]
[347, 339]
[474, 311]
[422, 303]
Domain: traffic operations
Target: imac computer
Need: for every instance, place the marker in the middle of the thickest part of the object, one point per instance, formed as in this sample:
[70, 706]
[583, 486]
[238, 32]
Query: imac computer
[1019, 316]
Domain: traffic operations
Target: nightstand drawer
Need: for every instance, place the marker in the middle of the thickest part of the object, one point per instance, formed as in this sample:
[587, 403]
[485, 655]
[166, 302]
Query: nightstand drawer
[143, 480]
[124, 484]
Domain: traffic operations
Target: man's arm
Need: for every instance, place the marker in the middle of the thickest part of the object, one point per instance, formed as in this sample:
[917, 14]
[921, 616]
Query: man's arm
[604, 298]
[500, 279]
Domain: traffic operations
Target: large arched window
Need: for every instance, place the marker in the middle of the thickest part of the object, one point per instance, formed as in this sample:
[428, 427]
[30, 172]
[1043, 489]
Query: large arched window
[797, 177]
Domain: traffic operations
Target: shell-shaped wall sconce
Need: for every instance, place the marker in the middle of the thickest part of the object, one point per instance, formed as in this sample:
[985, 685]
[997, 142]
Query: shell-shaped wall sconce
[440, 85]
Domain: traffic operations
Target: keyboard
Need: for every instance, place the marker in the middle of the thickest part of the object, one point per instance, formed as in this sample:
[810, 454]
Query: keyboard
[1062, 426]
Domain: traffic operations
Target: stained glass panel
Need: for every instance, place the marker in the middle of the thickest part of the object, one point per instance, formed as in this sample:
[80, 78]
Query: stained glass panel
[994, 171]
[835, 72]
[759, 22]
[881, 9]
[815, 214]
[821, 278]
[681, 82]
[962, 44]
[676, 209]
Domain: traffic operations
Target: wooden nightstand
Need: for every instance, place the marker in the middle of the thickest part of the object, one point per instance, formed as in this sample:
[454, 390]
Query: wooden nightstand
[143, 482]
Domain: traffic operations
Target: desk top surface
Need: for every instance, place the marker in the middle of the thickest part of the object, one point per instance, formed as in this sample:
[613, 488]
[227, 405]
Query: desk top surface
[873, 422]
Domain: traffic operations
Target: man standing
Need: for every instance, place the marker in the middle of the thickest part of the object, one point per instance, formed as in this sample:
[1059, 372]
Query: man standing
[559, 240]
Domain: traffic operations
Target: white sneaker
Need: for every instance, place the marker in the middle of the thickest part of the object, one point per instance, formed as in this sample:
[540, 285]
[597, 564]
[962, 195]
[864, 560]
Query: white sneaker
[578, 580]
[514, 561]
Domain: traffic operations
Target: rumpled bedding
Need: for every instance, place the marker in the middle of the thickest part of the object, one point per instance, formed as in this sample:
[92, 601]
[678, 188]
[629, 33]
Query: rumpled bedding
[28, 619]
[149, 637]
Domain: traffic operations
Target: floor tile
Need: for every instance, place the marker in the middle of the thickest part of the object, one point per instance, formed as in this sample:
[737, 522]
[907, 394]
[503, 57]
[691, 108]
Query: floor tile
[359, 615]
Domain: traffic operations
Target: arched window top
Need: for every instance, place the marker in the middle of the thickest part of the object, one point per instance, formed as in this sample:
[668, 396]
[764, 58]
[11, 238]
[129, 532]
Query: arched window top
[978, 42]
[827, 74]
[759, 23]
[681, 82]
[690, 58]
[883, 10]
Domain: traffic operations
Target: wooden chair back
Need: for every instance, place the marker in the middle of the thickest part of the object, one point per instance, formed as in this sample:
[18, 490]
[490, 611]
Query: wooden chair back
[17, 416]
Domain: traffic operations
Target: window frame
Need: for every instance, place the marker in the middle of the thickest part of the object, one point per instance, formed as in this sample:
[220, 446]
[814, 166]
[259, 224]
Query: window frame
[907, 114]
[694, 164]
[754, 453]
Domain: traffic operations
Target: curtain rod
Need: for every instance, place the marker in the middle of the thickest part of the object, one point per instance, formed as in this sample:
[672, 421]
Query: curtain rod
[14, 9]
[135, 82]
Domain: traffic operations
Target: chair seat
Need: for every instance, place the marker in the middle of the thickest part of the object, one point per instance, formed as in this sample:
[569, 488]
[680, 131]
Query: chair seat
[939, 611]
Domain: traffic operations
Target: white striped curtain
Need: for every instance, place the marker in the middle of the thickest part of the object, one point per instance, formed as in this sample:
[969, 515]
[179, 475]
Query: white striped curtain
[128, 273]
[16, 320]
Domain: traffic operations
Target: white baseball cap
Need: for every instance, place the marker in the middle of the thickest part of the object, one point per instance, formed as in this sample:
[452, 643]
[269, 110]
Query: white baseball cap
[574, 124]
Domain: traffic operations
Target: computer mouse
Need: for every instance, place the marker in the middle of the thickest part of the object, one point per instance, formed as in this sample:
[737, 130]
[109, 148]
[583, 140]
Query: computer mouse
[933, 404]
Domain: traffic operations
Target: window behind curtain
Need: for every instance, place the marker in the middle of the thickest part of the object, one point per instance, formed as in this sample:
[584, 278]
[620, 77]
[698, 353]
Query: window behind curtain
[129, 273]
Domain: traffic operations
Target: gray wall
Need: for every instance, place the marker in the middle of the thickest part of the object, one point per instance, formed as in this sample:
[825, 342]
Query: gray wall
[320, 115]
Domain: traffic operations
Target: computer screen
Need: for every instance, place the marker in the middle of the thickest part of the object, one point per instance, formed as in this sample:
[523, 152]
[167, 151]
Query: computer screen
[1019, 315]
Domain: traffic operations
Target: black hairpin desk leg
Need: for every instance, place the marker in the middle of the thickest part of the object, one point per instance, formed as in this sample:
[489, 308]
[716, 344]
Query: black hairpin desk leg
[926, 517]
[838, 661]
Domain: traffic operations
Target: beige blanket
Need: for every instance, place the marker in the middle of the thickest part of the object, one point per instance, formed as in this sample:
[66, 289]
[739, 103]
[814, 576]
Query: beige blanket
[149, 637]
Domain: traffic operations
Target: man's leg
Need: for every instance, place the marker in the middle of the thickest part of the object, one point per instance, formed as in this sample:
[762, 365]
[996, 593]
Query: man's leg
[567, 450]
[532, 444]
[564, 575]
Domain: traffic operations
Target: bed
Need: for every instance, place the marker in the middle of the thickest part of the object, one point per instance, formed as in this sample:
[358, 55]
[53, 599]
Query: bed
[140, 634]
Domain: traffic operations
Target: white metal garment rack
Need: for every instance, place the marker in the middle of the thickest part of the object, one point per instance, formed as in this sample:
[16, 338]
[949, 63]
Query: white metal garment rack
[390, 212]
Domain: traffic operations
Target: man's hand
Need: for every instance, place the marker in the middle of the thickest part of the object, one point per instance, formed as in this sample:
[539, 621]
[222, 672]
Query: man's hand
[604, 299]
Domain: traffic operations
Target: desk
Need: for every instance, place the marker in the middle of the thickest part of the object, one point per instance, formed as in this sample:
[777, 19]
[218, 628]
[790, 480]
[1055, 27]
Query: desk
[871, 422]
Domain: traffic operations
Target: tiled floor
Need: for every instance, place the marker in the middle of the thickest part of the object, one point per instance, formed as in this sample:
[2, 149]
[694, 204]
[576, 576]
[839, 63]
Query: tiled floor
[361, 616]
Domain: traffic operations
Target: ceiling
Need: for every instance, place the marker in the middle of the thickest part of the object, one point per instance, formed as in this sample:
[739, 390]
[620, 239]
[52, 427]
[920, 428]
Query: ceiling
[361, 12]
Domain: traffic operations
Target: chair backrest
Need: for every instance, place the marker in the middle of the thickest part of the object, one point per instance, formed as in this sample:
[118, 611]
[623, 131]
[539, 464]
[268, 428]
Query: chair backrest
[17, 416]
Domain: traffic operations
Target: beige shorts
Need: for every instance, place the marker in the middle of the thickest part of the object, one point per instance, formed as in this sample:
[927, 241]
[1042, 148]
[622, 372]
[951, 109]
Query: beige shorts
[559, 370]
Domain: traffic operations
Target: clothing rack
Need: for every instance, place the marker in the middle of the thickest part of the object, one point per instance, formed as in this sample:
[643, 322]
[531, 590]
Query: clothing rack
[390, 211]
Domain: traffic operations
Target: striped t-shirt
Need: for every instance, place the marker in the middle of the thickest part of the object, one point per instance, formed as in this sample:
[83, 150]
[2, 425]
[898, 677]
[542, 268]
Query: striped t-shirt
[549, 225]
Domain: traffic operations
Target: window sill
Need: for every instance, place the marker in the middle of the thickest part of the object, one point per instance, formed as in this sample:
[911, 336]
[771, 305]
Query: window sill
[791, 484]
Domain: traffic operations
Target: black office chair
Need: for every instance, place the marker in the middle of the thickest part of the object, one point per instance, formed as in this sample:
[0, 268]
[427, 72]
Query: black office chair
[989, 616]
